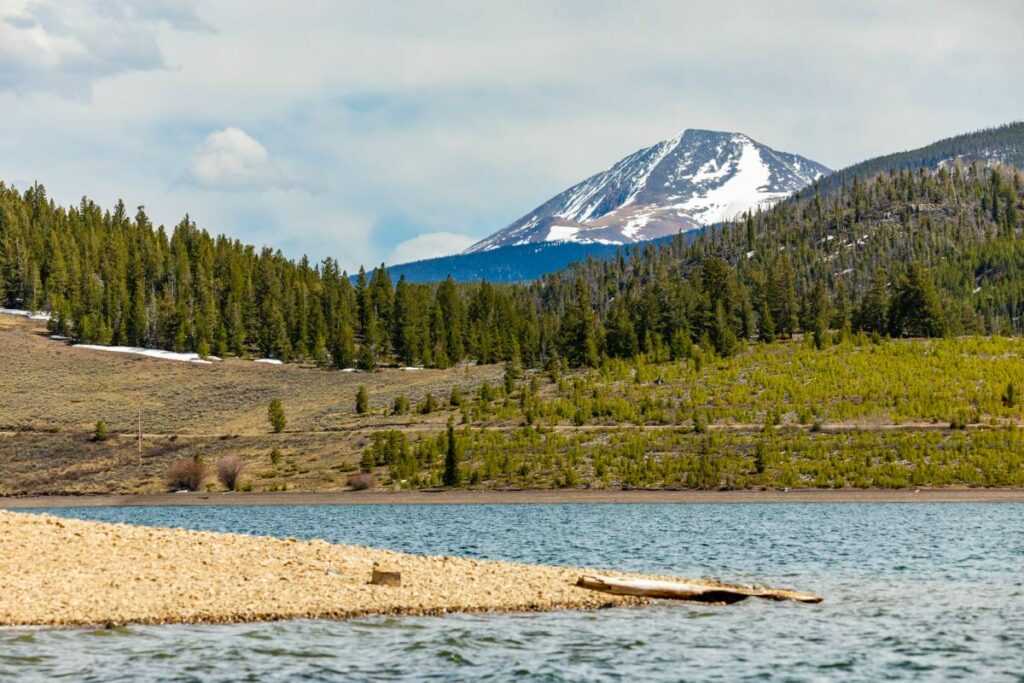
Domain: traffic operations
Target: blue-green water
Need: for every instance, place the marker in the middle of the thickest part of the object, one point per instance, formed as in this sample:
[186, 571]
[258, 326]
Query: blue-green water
[913, 592]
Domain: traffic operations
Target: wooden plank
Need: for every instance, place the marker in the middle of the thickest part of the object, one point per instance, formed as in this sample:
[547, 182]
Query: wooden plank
[682, 590]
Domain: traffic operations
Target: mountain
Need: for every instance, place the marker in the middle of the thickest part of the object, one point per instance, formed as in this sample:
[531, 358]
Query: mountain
[1003, 144]
[508, 264]
[518, 263]
[698, 178]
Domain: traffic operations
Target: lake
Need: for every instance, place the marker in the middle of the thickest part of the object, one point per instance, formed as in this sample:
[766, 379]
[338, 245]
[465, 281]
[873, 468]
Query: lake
[912, 592]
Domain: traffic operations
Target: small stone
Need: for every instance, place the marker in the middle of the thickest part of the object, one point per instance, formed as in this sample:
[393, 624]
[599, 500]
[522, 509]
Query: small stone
[381, 577]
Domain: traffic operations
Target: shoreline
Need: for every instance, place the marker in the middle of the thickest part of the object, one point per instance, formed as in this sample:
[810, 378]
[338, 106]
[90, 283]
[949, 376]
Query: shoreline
[60, 572]
[523, 497]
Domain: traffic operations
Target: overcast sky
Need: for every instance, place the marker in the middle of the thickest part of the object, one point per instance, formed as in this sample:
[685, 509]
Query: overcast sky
[388, 130]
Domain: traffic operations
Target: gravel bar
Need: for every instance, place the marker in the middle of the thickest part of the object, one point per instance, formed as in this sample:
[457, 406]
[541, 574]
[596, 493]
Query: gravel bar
[65, 572]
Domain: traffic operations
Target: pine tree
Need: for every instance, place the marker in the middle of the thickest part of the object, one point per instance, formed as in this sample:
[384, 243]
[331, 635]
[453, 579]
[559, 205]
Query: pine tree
[765, 324]
[343, 347]
[782, 299]
[579, 330]
[915, 309]
[620, 333]
[367, 359]
[873, 313]
[821, 313]
[276, 416]
[513, 372]
[452, 477]
[722, 335]
[1009, 397]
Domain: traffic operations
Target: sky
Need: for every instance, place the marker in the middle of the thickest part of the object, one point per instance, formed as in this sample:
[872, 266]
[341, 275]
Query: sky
[392, 131]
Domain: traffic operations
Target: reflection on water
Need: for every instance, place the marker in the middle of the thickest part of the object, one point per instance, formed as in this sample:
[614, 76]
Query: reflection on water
[914, 592]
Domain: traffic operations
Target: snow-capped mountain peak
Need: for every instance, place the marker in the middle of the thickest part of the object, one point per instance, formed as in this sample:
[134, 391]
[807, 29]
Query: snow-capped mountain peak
[697, 178]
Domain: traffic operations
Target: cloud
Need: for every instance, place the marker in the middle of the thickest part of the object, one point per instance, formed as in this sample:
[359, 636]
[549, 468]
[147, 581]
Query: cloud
[429, 245]
[179, 14]
[231, 159]
[455, 116]
[65, 48]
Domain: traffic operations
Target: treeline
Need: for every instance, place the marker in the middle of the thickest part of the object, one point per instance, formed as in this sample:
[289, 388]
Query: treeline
[1002, 143]
[109, 278]
[904, 254]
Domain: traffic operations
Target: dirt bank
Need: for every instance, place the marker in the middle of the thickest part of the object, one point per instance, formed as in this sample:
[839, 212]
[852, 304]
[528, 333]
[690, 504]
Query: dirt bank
[557, 496]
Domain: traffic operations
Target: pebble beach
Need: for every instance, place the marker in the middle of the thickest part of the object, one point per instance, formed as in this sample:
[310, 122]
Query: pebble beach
[64, 572]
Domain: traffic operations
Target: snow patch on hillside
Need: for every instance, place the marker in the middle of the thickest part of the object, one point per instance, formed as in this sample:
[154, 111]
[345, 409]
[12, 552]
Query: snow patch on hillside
[149, 353]
[31, 315]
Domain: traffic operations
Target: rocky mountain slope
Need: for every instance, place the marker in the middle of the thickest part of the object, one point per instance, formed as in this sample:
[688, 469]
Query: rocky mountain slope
[697, 178]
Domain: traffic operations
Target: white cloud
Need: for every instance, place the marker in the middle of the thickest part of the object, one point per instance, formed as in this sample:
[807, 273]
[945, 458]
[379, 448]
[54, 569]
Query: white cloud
[231, 159]
[428, 245]
[66, 47]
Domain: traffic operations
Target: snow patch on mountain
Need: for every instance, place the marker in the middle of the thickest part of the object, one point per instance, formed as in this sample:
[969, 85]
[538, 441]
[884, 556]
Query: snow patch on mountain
[746, 180]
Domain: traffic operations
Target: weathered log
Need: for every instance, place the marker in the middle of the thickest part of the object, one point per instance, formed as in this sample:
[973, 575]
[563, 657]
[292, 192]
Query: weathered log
[681, 590]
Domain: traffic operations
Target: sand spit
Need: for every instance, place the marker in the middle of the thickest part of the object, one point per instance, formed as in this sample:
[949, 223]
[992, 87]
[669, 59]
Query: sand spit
[64, 572]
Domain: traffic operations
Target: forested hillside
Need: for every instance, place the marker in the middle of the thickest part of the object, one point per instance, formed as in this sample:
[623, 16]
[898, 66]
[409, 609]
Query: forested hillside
[1003, 144]
[906, 254]
[518, 263]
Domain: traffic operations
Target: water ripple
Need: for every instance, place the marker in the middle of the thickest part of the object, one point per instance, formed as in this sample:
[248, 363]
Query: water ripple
[914, 592]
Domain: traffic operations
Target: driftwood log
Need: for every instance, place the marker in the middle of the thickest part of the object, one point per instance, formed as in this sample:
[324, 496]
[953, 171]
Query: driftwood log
[681, 590]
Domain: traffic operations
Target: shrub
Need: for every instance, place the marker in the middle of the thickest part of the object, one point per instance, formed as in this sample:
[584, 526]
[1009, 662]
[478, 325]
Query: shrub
[760, 458]
[361, 481]
[387, 447]
[513, 371]
[401, 406]
[429, 405]
[362, 401]
[187, 473]
[100, 433]
[275, 414]
[367, 361]
[1010, 396]
[455, 400]
[229, 472]
[275, 455]
[700, 423]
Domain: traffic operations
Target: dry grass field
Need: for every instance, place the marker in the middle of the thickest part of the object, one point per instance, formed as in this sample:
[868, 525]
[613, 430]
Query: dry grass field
[52, 395]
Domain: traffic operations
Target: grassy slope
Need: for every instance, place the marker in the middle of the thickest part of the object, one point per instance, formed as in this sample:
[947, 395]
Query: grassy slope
[780, 415]
[51, 395]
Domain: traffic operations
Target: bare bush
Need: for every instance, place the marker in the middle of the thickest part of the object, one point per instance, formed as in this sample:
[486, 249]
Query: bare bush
[361, 481]
[229, 472]
[186, 473]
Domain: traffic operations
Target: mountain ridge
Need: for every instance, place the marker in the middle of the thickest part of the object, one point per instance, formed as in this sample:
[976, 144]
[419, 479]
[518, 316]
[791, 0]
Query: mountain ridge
[695, 179]
[1003, 144]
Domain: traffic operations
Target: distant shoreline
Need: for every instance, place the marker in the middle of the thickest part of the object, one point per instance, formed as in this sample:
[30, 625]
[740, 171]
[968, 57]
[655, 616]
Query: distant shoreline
[556, 496]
